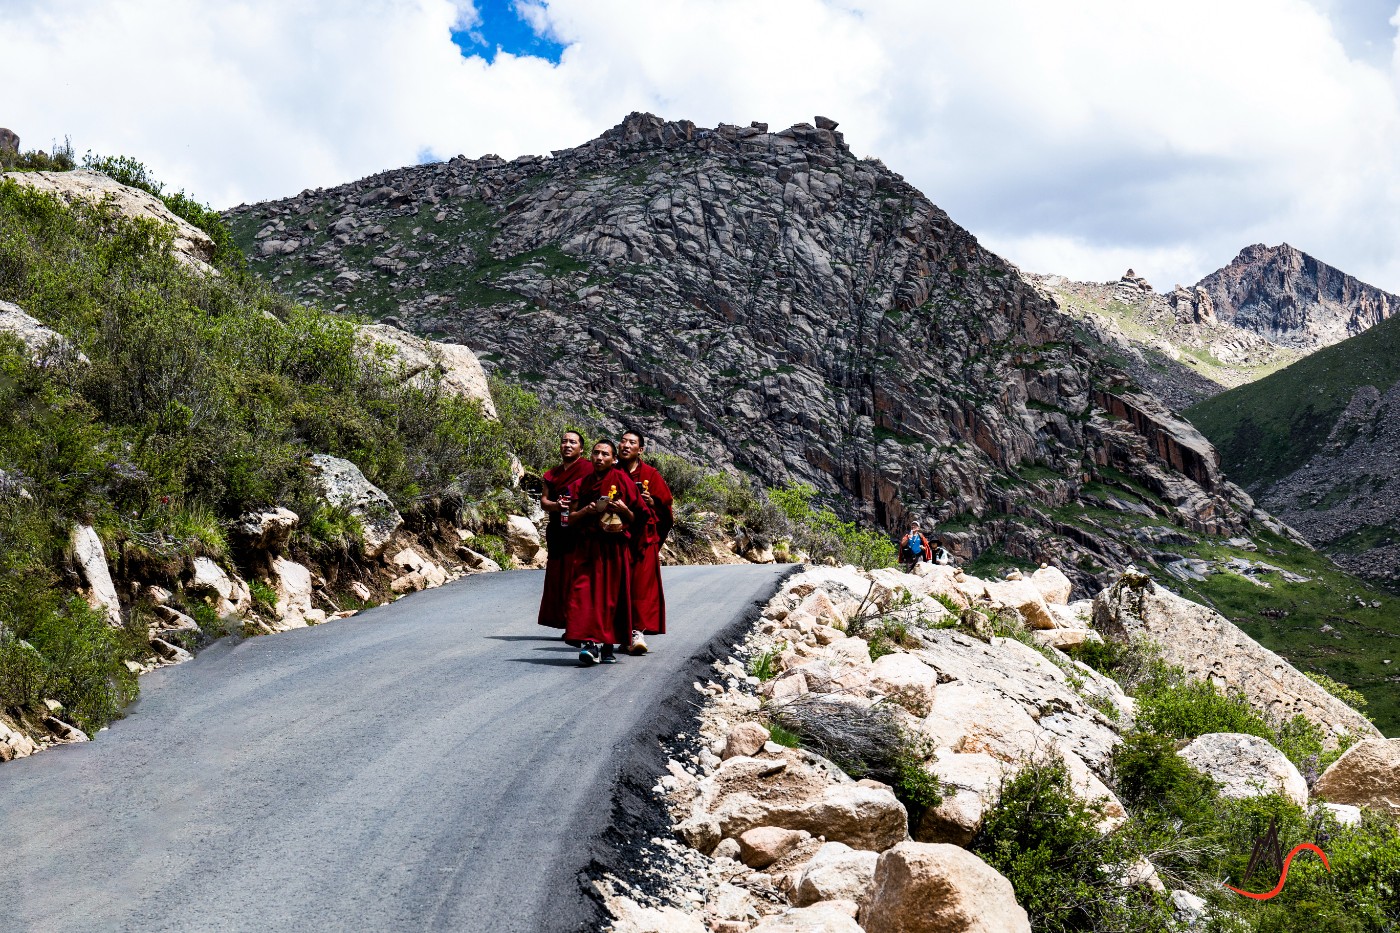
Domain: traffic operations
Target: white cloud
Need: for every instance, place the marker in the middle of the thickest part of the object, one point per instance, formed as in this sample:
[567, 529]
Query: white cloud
[1078, 137]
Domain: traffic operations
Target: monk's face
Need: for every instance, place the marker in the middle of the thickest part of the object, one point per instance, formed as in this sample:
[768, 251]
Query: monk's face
[603, 458]
[570, 446]
[629, 448]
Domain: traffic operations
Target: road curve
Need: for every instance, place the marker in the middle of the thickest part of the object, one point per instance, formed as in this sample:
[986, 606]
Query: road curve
[440, 763]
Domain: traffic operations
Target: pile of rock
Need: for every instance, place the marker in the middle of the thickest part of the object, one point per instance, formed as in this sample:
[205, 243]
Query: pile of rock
[790, 842]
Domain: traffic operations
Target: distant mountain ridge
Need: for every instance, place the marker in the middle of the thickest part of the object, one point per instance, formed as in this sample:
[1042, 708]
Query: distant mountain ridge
[1270, 306]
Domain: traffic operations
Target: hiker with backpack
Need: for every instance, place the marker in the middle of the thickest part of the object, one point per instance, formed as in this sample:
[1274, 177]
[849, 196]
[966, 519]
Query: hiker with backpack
[914, 548]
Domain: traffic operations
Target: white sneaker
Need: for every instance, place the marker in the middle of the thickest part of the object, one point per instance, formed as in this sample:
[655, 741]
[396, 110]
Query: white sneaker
[639, 644]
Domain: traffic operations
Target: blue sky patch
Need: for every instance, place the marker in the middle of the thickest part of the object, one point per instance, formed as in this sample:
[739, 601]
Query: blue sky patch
[502, 27]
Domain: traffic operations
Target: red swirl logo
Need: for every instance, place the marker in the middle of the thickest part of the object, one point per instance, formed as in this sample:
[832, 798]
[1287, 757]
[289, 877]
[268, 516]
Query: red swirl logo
[1283, 876]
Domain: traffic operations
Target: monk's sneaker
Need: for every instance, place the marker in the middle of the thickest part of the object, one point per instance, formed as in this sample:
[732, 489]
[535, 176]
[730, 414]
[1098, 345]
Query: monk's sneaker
[639, 644]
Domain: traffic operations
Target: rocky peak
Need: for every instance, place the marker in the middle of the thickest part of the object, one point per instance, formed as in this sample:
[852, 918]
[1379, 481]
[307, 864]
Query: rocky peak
[764, 300]
[1293, 299]
[9, 140]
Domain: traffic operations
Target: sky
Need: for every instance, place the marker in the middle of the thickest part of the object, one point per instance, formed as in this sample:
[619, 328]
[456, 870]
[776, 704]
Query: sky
[1080, 137]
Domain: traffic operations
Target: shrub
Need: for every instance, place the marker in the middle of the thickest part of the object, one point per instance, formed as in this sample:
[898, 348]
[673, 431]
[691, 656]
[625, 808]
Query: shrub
[765, 666]
[820, 532]
[1046, 842]
[532, 428]
[1185, 709]
[1343, 692]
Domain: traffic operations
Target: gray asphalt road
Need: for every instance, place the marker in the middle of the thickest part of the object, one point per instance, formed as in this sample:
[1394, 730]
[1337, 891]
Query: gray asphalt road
[440, 763]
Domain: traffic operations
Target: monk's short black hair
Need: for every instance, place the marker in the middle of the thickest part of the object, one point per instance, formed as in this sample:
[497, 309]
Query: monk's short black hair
[641, 438]
[577, 434]
[611, 445]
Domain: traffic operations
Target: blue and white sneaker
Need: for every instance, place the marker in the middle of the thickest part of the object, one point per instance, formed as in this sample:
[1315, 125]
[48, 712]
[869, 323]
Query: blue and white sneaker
[588, 654]
[608, 656]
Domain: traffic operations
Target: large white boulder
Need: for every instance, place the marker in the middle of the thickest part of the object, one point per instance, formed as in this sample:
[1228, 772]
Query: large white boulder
[91, 560]
[1367, 775]
[342, 484]
[1210, 648]
[451, 366]
[1022, 596]
[266, 530]
[230, 595]
[836, 872]
[823, 917]
[1055, 588]
[906, 680]
[971, 784]
[1245, 766]
[292, 582]
[936, 888]
[522, 538]
[40, 341]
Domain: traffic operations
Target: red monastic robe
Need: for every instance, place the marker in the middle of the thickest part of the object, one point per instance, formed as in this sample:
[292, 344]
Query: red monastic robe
[648, 599]
[559, 540]
[600, 591]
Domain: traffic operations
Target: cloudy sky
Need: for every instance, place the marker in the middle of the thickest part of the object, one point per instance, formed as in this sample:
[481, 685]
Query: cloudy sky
[1074, 136]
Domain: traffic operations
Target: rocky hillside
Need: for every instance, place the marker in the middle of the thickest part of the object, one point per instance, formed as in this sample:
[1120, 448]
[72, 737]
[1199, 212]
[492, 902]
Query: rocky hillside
[1318, 443]
[1171, 344]
[1291, 298]
[940, 752]
[767, 300]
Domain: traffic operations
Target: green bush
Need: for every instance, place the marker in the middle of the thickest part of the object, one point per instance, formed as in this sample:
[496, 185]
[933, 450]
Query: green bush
[57, 159]
[532, 428]
[820, 532]
[1046, 842]
[1185, 709]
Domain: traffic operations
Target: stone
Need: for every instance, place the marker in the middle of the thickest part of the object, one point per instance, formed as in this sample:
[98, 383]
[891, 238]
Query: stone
[65, 732]
[1367, 775]
[170, 619]
[1188, 908]
[763, 845]
[971, 784]
[9, 140]
[906, 680]
[14, 743]
[341, 484]
[476, 560]
[1063, 638]
[631, 917]
[91, 560]
[1141, 873]
[267, 530]
[1209, 647]
[41, 342]
[937, 888]
[1245, 766]
[522, 538]
[230, 595]
[292, 583]
[192, 245]
[1022, 596]
[1345, 814]
[360, 591]
[1055, 588]
[747, 738]
[452, 367]
[168, 652]
[825, 917]
[700, 832]
[836, 872]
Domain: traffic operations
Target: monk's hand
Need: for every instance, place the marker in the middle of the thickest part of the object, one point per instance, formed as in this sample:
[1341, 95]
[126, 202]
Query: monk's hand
[646, 497]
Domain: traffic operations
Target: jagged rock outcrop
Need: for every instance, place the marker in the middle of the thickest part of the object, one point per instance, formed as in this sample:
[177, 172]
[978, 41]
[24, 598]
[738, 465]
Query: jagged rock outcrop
[1367, 775]
[9, 140]
[452, 368]
[755, 298]
[1293, 299]
[1209, 647]
[342, 484]
[192, 245]
[90, 557]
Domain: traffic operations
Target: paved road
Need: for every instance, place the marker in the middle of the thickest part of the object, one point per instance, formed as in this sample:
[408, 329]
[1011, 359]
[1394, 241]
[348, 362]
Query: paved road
[440, 763]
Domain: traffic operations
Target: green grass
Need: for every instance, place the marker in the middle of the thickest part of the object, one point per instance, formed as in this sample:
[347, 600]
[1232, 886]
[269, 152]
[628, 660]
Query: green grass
[1267, 429]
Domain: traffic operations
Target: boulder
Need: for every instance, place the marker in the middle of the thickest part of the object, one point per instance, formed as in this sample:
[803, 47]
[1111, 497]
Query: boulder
[41, 342]
[168, 652]
[906, 680]
[935, 888]
[342, 484]
[91, 560]
[763, 845]
[631, 917]
[1367, 775]
[971, 784]
[522, 538]
[192, 245]
[292, 583]
[14, 744]
[1022, 596]
[825, 917]
[229, 595]
[1245, 766]
[267, 530]
[1210, 648]
[1063, 638]
[450, 366]
[9, 140]
[1345, 814]
[836, 872]
[1053, 585]
[747, 738]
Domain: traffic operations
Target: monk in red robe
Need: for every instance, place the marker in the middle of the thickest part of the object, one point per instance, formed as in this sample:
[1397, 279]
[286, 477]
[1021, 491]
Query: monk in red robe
[648, 598]
[606, 513]
[554, 499]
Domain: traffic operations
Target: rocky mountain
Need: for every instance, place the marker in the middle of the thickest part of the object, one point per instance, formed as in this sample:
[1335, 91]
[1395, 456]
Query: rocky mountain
[1294, 300]
[1269, 307]
[1318, 443]
[767, 300]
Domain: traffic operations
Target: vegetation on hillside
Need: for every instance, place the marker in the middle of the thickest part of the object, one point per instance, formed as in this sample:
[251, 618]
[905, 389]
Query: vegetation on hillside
[1268, 429]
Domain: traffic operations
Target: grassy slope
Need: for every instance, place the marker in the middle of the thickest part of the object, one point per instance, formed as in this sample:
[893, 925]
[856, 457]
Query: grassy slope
[1267, 429]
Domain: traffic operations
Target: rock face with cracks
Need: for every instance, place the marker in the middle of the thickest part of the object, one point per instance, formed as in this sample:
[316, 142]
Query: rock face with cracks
[1367, 774]
[933, 888]
[763, 299]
